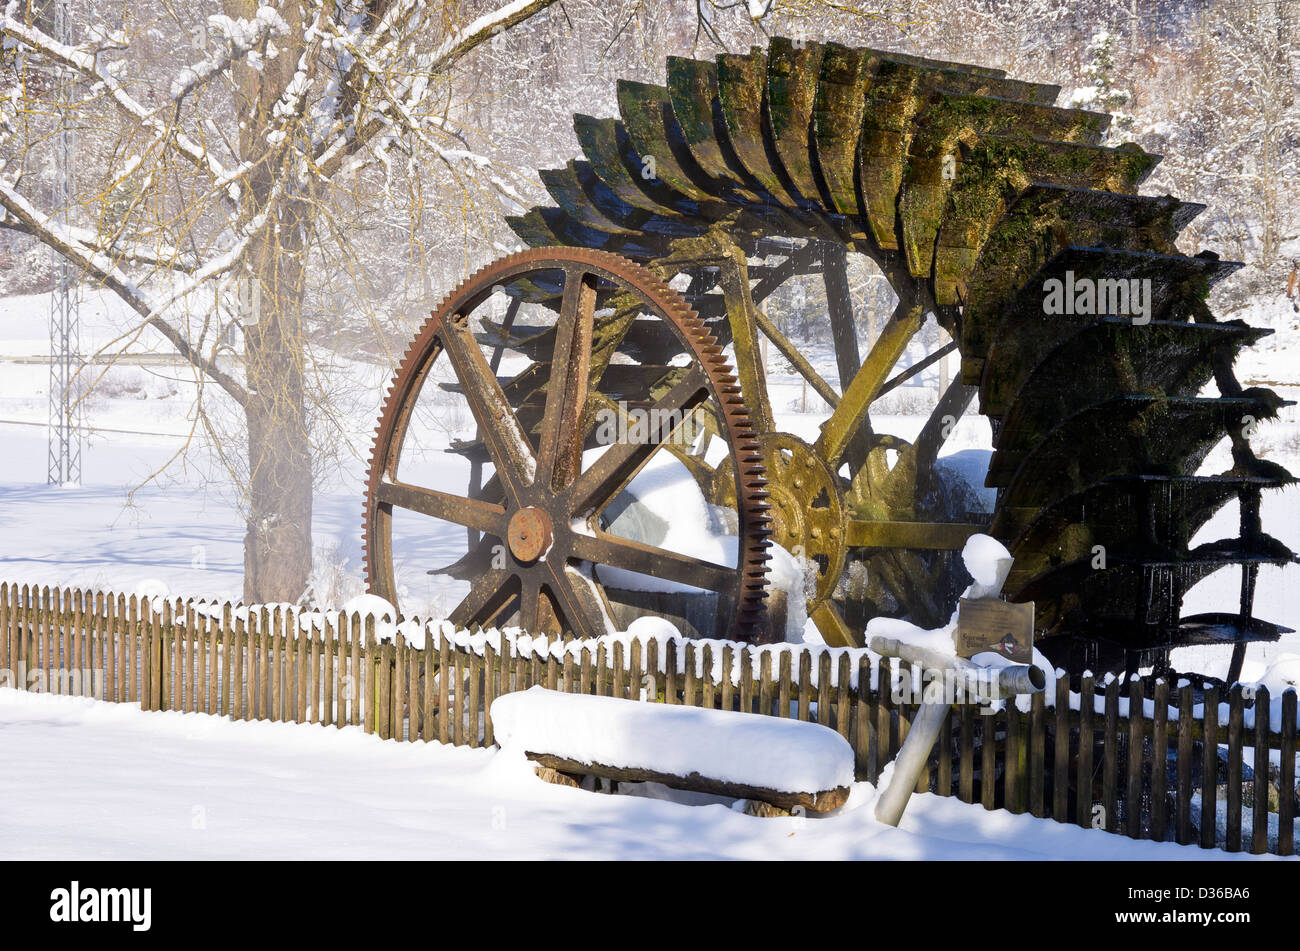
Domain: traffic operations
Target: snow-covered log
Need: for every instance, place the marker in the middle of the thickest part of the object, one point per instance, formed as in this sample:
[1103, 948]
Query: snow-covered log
[786, 763]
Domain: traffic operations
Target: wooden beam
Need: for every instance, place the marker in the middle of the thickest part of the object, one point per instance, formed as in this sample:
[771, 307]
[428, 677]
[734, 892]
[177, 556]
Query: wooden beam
[839, 302]
[820, 801]
[797, 359]
[852, 413]
[931, 536]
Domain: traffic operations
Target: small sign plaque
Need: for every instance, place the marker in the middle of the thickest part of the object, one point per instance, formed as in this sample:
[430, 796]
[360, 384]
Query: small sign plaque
[987, 624]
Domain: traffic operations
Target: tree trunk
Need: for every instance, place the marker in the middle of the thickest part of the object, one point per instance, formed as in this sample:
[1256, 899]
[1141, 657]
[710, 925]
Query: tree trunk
[277, 544]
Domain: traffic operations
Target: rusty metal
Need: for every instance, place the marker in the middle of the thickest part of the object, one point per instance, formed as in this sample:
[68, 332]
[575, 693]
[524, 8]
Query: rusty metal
[543, 503]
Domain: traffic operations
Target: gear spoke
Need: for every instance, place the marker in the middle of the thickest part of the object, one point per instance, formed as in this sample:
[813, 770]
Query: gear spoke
[507, 443]
[559, 454]
[487, 596]
[651, 560]
[472, 513]
[579, 602]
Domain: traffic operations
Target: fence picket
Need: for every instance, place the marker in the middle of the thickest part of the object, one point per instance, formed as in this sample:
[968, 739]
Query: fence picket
[414, 664]
[884, 715]
[620, 675]
[108, 634]
[1160, 762]
[1210, 767]
[202, 701]
[1037, 753]
[317, 674]
[602, 670]
[843, 691]
[1011, 793]
[670, 672]
[692, 677]
[805, 683]
[728, 697]
[490, 688]
[584, 670]
[765, 682]
[231, 662]
[458, 701]
[1110, 758]
[47, 626]
[521, 681]
[1259, 792]
[863, 738]
[49, 664]
[1236, 716]
[80, 664]
[379, 665]
[569, 677]
[355, 681]
[431, 672]
[302, 664]
[650, 664]
[824, 689]
[444, 691]
[139, 670]
[236, 671]
[1183, 787]
[6, 649]
[1133, 792]
[258, 621]
[1286, 775]
[25, 652]
[747, 681]
[783, 688]
[636, 670]
[966, 754]
[1061, 749]
[393, 659]
[710, 687]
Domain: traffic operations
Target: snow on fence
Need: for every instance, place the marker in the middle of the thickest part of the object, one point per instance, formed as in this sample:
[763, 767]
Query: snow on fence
[1158, 773]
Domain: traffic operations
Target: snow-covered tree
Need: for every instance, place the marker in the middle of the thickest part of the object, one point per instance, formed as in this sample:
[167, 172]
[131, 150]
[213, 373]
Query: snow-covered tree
[226, 144]
[1103, 92]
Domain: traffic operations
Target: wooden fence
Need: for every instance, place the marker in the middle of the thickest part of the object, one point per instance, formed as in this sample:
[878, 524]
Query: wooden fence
[1157, 771]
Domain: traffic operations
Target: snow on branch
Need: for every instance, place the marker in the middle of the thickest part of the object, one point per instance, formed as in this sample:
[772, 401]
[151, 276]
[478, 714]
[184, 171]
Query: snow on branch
[87, 64]
[244, 39]
[164, 256]
[480, 31]
[99, 265]
[333, 153]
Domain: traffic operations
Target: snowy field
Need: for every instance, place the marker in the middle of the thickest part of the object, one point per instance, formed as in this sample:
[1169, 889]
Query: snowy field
[87, 780]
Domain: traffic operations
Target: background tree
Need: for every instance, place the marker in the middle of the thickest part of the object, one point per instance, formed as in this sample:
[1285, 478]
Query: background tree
[224, 144]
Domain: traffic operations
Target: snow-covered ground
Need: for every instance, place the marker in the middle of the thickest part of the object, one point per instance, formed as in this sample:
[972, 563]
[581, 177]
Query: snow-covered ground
[88, 780]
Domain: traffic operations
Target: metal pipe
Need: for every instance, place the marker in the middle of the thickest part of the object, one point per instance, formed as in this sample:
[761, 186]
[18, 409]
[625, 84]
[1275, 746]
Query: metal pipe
[934, 710]
[909, 762]
[1022, 678]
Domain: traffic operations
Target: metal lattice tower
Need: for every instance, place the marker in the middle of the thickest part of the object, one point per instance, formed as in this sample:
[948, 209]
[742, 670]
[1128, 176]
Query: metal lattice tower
[65, 426]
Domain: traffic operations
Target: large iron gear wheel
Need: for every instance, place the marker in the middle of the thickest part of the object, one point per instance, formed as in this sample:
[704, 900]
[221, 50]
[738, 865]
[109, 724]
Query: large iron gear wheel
[543, 504]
